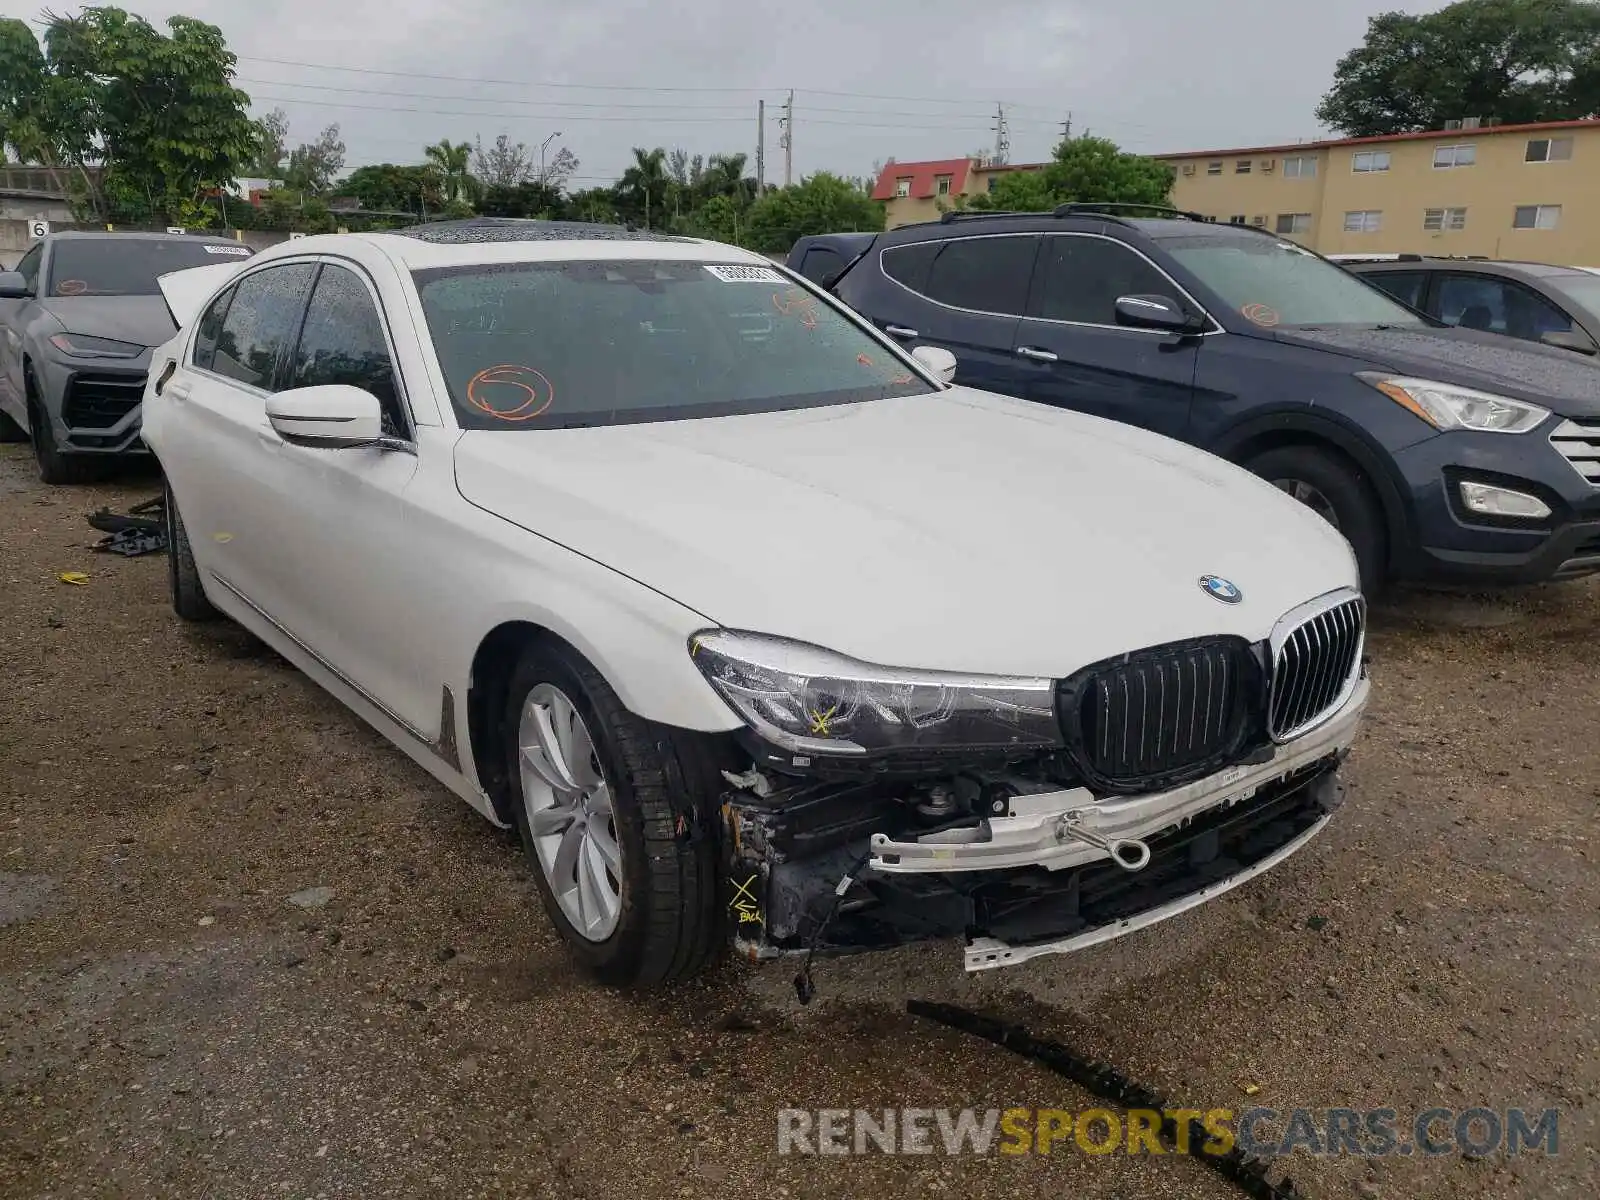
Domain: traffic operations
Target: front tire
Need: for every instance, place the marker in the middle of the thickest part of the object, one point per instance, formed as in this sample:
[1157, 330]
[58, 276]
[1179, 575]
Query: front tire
[56, 467]
[1339, 492]
[615, 817]
[188, 595]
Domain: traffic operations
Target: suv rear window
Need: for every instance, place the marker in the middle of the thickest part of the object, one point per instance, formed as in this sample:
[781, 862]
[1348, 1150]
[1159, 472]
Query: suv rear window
[570, 344]
[129, 266]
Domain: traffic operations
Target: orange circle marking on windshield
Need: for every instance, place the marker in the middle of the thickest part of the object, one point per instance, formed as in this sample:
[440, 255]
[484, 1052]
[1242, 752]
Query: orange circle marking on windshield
[863, 360]
[1260, 314]
[71, 287]
[541, 393]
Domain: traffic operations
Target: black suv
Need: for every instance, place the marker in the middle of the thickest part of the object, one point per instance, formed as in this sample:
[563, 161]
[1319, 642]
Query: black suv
[1442, 454]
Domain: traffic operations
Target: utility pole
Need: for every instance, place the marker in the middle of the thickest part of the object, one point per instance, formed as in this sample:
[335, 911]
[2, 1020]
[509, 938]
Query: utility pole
[761, 147]
[1002, 135]
[1066, 129]
[787, 121]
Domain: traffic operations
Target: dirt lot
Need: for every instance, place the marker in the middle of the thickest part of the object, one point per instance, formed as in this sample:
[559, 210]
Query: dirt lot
[173, 1024]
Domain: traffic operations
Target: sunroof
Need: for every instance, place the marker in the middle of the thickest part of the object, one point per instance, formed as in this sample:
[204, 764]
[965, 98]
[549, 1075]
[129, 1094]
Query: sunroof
[511, 229]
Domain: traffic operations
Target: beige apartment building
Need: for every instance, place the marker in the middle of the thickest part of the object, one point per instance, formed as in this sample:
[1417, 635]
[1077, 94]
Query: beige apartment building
[1499, 191]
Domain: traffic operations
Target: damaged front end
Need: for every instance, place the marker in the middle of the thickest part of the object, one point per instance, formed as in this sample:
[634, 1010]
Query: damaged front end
[1174, 774]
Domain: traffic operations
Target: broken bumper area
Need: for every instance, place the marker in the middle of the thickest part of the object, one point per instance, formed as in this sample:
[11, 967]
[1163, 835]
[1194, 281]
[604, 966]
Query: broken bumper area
[844, 868]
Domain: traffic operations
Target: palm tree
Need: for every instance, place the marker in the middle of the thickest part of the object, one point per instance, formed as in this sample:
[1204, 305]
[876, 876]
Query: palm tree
[644, 185]
[453, 161]
[725, 177]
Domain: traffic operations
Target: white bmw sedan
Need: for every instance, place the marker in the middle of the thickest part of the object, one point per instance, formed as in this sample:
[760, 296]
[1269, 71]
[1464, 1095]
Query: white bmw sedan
[757, 630]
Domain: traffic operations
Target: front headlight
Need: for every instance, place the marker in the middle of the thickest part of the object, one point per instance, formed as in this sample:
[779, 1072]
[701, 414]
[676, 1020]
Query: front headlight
[1447, 406]
[81, 345]
[813, 701]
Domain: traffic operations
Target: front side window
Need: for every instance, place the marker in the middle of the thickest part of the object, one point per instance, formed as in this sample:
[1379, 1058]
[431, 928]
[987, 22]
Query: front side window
[1404, 286]
[342, 341]
[1278, 283]
[984, 274]
[1369, 162]
[28, 268]
[821, 263]
[1084, 276]
[128, 265]
[573, 344]
[259, 325]
[1498, 306]
[209, 329]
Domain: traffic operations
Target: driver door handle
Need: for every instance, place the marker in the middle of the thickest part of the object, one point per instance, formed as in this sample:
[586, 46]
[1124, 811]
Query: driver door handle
[1036, 355]
[899, 331]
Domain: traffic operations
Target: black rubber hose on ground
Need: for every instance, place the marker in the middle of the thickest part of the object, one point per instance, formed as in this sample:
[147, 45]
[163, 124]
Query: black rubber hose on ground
[1248, 1174]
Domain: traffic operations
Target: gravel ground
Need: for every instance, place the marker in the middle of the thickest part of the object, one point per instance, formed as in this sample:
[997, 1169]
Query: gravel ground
[247, 949]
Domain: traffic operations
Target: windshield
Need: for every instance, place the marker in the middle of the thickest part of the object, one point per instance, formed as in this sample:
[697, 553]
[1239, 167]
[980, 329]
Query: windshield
[1582, 290]
[1273, 282]
[569, 344]
[114, 266]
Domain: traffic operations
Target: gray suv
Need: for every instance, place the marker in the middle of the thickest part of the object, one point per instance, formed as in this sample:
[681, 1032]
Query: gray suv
[78, 319]
[1537, 302]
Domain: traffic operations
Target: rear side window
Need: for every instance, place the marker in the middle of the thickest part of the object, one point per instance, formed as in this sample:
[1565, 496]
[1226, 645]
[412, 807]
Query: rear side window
[1404, 286]
[985, 274]
[821, 263]
[205, 337]
[261, 323]
[909, 265]
[1084, 276]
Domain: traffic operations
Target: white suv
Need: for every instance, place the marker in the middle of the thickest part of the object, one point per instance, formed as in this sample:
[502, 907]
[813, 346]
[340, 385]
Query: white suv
[755, 628]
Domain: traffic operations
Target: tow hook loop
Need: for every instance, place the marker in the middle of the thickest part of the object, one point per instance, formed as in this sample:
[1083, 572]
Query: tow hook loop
[1128, 853]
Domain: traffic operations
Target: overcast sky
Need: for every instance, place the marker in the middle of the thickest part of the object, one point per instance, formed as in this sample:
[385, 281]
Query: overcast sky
[873, 79]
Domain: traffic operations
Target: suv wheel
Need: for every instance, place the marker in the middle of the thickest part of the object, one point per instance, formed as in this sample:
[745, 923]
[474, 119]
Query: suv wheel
[55, 466]
[1338, 492]
[614, 817]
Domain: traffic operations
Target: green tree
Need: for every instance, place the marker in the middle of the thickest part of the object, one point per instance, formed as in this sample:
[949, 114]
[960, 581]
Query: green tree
[158, 110]
[395, 188]
[47, 116]
[273, 147]
[1085, 170]
[1516, 60]
[313, 166]
[821, 203]
[453, 161]
[643, 189]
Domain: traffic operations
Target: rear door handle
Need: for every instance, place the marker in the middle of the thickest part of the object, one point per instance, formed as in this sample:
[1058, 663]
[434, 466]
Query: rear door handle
[1036, 355]
[900, 331]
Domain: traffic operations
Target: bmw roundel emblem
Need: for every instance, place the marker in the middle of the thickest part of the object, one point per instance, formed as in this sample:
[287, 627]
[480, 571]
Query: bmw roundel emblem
[1222, 589]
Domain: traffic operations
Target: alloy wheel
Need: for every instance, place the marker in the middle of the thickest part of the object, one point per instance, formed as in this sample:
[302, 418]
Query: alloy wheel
[568, 804]
[1312, 497]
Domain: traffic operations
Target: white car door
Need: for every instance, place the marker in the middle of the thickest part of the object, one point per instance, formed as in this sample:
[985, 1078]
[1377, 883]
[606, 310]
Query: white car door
[219, 452]
[344, 573]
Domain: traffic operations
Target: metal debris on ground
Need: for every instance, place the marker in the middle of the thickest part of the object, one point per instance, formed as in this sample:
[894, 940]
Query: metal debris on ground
[141, 531]
[1250, 1174]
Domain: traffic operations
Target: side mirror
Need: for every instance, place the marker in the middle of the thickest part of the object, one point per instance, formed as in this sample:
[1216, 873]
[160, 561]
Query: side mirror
[1155, 312]
[13, 286]
[1564, 339]
[331, 416]
[938, 361]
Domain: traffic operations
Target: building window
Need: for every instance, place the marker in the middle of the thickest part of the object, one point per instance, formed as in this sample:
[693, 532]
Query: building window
[1536, 216]
[1239, 220]
[1452, 220]
[1214, 168]
[1368, 220]
[1548, 150]
[993, 179]
[1303, 167]
[1369, 162]
[1242, 167]
[902, 187]
[1294, 222]
[941, 184]
[1259, 222]
[1445, 157]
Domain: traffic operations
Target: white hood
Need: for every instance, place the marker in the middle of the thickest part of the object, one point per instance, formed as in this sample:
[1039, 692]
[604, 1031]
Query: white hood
[961, 531]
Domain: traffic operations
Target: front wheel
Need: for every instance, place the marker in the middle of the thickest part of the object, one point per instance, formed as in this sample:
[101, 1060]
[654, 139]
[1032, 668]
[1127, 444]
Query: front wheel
[613, 813]
[1337, 491]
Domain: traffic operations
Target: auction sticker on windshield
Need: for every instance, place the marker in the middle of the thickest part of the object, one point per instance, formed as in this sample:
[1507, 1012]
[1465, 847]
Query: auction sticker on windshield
[242, 251]
[731, 273]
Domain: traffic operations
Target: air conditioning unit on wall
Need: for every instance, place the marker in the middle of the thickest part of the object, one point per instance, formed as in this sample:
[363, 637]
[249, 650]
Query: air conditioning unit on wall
[1268, 163]
[1188, 168]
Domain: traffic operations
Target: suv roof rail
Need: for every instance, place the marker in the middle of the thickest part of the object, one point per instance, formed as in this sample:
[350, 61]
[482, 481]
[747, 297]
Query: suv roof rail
[979, 214]
[1079, 208]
